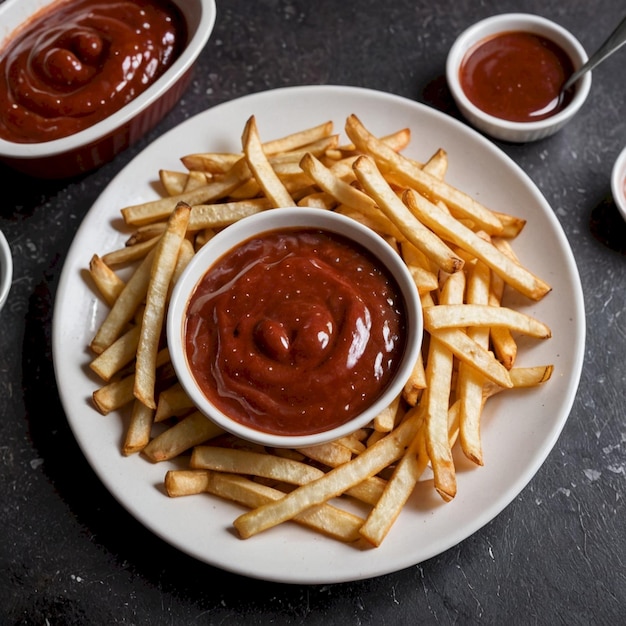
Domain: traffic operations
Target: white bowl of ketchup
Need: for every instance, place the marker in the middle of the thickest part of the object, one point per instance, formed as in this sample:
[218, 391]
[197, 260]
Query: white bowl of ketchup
[505, 74]
[294, 327]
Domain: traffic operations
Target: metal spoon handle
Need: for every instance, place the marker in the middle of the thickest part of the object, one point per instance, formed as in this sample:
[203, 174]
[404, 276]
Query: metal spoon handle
[615, 40]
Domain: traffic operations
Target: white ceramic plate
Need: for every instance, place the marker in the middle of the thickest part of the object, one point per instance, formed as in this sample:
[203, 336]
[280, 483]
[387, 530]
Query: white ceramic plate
[520, 428]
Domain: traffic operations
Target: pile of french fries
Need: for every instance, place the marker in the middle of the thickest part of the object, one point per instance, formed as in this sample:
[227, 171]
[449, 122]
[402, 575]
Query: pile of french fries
[460, 255]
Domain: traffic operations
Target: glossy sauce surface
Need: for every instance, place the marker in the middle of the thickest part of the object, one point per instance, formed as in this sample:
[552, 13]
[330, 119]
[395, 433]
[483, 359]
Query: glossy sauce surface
[516, 76]
[295, 332]
[82, 61]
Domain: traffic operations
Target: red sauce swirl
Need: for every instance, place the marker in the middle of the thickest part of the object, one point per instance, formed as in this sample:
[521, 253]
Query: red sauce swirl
[81, 61]
[517, 76]
[295, 332]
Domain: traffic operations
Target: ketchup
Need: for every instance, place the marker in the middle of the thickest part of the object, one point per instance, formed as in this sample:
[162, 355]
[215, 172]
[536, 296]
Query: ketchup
[517, 76]
[295, 332]
[81, 61]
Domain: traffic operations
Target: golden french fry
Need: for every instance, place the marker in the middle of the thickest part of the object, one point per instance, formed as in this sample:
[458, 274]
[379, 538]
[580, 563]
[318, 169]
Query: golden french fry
[147, 232]
[332, 484]
[109, 284]
[324, 518]
[437, 165]
[464, 315]
[161, 209]
[173, 402]
[211, 163]
[173, 182]
[261, 168]
[385, 421]
[119, 393]
[162, 270]
[186, 482]
[439, 365]
[299, 139]
[124, 307]
[417, 178]
[139, 429]
[522, 378]
[416, 382]
[399, 487]
[470, 382]
[129, 254]
[195, 180]
[452, 230]
[119, 354]
[332, 184]
[253, 463]
[414, 231]
[191, 431]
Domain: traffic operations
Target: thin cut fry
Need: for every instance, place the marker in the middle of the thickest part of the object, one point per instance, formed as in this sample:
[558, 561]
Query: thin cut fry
[422, 238]
[261, 168]
[164, 264]
[335, 482]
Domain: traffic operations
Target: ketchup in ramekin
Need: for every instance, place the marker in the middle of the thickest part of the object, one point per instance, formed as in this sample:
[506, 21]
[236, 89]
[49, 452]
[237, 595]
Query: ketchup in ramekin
[517, 76]
[295, 331]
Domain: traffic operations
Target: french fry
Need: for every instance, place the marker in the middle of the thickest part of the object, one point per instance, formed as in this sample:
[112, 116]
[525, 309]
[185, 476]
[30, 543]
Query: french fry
[261, 168]
[189, 432]
[162, 270]
[118, 393]
[173, 402]
[470, 382]
[452, 230]
[422, 238]
[139, 429]
[109, 284]
[332, 484]
[124, 307]
[120, 353]
[324, 518]
[155, 210]
[419, 179]
[483, 315]
[173, 182]
[398, 490]
[130, 254]
[439, 365]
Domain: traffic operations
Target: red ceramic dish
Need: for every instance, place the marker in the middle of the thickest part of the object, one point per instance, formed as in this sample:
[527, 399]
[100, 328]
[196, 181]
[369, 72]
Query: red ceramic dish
[98, 144]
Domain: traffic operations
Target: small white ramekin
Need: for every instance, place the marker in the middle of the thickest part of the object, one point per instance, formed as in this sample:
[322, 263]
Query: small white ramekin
[517, 132]
[266, 221]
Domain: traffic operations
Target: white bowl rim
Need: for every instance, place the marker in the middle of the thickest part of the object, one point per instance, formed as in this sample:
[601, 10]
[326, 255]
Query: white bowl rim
[6, 269]
[618, 182]
[203, 30]
[517, 21]
[266, 221]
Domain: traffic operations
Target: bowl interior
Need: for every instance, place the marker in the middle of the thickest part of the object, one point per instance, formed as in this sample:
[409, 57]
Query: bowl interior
[267, 221]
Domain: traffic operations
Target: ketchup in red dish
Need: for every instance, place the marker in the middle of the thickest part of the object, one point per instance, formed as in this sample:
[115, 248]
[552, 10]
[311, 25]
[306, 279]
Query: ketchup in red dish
[295, 331]
[79, 62]
[516, 76]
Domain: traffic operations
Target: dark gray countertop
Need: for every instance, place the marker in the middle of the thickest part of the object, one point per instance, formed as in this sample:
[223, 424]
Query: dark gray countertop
[70, 554]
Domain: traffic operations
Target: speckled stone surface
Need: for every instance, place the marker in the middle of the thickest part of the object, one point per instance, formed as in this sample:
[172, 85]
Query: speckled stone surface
[70, 554]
